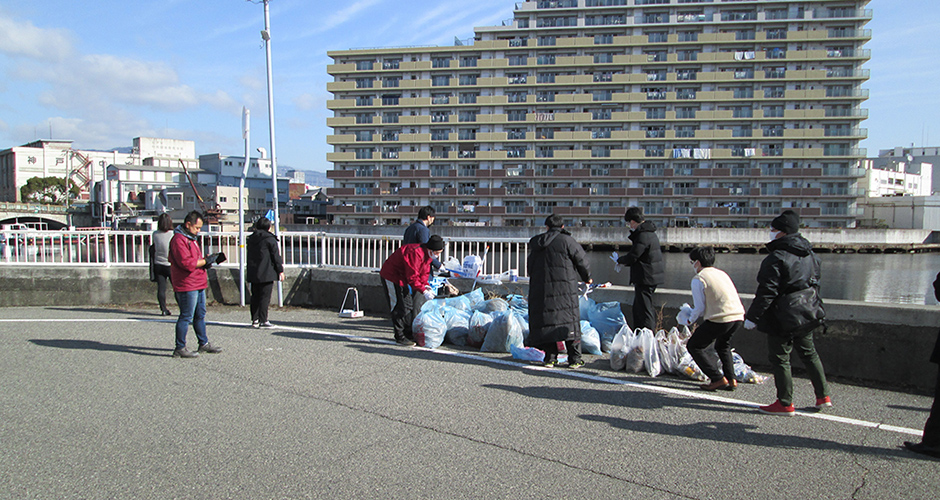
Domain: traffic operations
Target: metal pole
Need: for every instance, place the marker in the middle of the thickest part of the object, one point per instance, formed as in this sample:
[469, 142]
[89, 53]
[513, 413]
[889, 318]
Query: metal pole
[266, 35]
[246, 129]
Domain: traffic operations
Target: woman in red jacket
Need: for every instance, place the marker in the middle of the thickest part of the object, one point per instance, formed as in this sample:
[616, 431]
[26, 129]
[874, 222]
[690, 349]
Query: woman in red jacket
[405, 280]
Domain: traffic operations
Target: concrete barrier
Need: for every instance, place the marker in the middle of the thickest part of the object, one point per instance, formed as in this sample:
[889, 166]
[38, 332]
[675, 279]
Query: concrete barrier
[866, 342]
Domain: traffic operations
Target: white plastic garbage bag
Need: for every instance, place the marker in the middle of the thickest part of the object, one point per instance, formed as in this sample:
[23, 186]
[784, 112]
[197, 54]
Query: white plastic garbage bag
[619, 347]
[429, 329]
[647, 341]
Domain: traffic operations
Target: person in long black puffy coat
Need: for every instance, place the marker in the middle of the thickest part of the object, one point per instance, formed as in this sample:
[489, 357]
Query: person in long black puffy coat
[556, 264]
[930, 441]
[263, 268]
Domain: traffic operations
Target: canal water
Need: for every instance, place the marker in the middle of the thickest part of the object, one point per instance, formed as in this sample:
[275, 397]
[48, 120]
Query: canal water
[885, 278]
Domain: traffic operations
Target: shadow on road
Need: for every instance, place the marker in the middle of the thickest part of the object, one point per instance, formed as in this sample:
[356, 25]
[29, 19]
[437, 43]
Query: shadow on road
[99, 346]
[740, 433]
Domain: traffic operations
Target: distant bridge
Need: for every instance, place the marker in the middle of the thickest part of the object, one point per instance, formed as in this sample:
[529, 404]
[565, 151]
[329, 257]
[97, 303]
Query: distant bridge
[34, 215]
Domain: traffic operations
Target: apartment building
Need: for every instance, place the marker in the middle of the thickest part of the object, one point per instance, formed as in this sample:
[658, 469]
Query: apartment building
[703, 112]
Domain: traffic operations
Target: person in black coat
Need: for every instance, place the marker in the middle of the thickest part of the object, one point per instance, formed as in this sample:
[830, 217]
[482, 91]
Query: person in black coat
[930, 442]
[788, 309]
[555, 265]
[647, 270]
[264, 267]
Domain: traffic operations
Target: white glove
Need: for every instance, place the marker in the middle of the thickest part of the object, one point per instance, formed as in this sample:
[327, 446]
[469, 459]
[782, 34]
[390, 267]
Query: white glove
[429, 294]
[749, 325]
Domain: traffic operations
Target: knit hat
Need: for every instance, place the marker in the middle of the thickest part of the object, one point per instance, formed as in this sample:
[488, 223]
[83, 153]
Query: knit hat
[787, 222]
[435, 243]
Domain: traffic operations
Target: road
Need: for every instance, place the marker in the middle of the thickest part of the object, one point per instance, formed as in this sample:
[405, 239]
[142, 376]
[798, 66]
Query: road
[93, 407]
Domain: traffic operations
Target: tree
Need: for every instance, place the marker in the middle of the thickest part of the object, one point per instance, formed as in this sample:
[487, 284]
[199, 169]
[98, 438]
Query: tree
[47, 190]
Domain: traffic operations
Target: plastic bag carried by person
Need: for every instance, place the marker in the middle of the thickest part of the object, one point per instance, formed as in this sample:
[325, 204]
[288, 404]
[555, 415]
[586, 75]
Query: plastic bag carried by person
[479, 325]
[458, 326]
[685, 314]
[619, 347]
[590, 339]
[585, 304]
[647, 341]
[429, 329]
[493, 305]
[504, 331]
[744, 373]
[607, 318]
[526, 353]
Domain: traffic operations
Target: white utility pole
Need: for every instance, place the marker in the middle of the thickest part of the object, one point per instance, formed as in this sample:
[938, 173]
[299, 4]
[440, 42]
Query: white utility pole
[266, 36]
[246, 133]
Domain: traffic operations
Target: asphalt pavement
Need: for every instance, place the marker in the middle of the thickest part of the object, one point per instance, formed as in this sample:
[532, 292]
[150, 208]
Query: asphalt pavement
[94, 406]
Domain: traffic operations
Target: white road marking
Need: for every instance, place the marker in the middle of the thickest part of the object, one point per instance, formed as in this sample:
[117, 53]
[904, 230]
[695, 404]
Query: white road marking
[514, 363]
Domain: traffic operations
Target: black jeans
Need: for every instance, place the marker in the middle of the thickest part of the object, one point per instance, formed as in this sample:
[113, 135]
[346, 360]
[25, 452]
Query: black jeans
[643, 314]
[260, 299]
[707, 359]
[162, 273]
[404, 306]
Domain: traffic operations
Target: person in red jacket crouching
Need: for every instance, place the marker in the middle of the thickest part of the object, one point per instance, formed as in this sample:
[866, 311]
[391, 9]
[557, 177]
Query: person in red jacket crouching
[188, 275]
[405, 279]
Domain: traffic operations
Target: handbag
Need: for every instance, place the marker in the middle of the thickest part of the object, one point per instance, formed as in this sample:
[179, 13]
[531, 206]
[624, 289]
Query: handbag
[798, 312]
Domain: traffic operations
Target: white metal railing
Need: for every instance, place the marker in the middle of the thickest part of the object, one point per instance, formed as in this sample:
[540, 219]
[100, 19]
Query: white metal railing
[298, 249]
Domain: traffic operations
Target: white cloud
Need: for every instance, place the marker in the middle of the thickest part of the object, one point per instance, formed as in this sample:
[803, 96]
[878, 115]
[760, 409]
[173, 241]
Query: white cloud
[336, 19]
[22, 38]
[307, 101]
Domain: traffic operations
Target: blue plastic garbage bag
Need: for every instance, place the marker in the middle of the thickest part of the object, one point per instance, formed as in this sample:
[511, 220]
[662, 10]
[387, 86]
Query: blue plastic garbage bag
[517, 302]
[475, 297]
[504, 331]
[461, 302]
[607, 318]
[492, 306]
[429, 329]
[458, 326]
[479, 325]
[590, 339]
[585, 304]
[526, 353]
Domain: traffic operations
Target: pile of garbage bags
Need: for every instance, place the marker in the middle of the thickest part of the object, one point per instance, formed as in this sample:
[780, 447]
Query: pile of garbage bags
[502, 325]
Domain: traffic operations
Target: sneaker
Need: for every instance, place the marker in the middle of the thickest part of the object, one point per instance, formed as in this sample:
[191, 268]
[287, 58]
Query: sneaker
[550, 362]
[256, 324]
[267, 324]
[405, 342]
[185, 353]
[777, 409]
[209, 348]
[575, 365]
[823, 402]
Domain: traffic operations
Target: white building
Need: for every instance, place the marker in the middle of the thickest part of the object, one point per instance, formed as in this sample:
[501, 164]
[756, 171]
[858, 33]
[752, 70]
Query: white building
[914, 157]
[898, 178]
[46, 158]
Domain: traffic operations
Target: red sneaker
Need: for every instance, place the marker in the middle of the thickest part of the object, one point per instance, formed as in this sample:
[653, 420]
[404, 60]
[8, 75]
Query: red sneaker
[777, 409]
[823, 402]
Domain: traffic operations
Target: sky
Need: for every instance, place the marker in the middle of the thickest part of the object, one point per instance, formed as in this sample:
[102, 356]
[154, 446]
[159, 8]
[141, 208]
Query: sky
[101, 73]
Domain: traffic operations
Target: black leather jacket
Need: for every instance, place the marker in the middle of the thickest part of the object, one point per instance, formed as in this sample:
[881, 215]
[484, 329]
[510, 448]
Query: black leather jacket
[791, 266]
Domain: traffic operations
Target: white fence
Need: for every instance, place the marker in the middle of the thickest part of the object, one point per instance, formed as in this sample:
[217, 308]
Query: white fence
[299, 249]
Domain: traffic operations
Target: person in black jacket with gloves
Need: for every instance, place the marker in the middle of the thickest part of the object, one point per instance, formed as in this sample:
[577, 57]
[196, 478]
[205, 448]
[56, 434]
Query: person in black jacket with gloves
[787, 307]
[263, 268]
[556, 264]
[647, 271]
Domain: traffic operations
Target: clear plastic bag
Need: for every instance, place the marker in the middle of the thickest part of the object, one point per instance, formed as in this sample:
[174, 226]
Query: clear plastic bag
[458, 326]
[504, 331]
[479, 325]
[590, 339]
[429, 329]
[526, 353]
[647, 341]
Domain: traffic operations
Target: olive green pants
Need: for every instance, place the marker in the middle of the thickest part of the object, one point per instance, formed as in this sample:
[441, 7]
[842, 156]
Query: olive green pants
[779, 349]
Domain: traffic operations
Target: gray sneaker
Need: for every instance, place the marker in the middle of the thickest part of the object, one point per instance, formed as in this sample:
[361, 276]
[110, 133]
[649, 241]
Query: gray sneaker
[185, 353]
[209, 348]
[266, 324]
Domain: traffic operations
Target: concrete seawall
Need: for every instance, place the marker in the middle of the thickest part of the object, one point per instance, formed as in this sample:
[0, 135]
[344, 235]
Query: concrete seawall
[870, 343]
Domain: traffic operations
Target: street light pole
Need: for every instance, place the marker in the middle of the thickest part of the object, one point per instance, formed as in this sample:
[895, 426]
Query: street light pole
[266, 36]
[246, 134]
